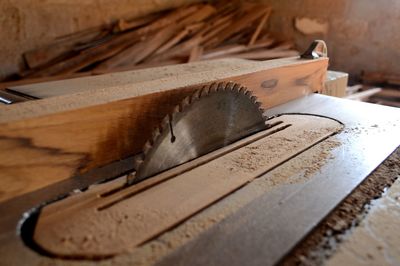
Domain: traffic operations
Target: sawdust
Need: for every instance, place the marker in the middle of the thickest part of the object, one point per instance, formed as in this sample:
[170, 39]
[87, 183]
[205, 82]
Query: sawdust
[299, 170]
[255, 157]
[305, 167]
[322, 243]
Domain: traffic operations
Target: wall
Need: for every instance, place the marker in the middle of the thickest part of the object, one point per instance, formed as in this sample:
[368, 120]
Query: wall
[29, 24]
[360, 34]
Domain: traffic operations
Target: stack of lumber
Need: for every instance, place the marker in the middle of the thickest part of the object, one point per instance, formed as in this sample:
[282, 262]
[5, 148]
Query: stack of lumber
[186, 34]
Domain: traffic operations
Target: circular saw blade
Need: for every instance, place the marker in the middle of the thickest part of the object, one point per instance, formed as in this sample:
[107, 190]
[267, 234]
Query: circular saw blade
[215, 116]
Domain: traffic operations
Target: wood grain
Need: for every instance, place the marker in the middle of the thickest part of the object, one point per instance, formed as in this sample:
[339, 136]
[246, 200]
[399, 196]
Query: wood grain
[92, 128]
[63, 87]
[123, 220]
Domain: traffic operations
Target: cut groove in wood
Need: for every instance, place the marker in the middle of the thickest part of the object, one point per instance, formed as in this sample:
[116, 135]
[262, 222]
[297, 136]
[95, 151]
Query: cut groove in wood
[74, 228]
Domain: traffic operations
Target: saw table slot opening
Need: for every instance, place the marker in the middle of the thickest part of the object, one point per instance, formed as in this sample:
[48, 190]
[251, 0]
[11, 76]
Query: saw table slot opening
[260, 134]
[148, 183]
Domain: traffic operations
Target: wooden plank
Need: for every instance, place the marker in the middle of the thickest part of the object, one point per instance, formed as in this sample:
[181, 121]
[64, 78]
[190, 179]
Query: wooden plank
[63, 87]
[263, 54]
[188, 31]
[183, 49]
[140, 50]
[7, 97]
[192, 190]
[88, 56]
[214, 27]
[195, 54]
[124, 25]
[89, 129]
[172, 17]
[363, 95]
[41, 56]
[260, 26]
[29, 81]
[177, 38]
[245, 20]
[388, 94]
[226, 50]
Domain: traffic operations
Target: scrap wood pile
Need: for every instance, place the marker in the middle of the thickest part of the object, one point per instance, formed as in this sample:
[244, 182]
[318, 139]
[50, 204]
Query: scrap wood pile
[185, 34]
[376, 87]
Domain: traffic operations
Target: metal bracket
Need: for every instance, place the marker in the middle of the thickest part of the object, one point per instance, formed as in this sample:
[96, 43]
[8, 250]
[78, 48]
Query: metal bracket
[10, 98]
[316, 50]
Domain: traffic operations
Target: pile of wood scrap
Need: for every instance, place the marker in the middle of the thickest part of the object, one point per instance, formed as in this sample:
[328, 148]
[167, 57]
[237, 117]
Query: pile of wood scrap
[186, 34]
[384, 95]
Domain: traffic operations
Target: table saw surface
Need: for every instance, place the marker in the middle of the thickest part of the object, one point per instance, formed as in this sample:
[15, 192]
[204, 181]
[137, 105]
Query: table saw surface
[257, 224]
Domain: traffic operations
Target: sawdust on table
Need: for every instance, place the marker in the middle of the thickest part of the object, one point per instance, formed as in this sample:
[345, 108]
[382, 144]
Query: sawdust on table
[300, 169]
[254, 157]
[350, 222]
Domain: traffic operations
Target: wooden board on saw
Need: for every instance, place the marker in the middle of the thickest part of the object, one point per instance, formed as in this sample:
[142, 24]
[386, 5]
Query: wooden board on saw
[110, 219]
[49, 140]
[70, 86]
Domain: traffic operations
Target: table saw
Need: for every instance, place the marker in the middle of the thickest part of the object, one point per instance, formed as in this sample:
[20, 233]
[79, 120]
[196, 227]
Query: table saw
[226, 162]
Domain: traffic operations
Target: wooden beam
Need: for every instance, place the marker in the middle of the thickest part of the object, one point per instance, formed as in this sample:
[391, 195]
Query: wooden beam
[262, 54]
[49, 140]
[78, 85]
[363, 95]
[195, 54]
[260, 26]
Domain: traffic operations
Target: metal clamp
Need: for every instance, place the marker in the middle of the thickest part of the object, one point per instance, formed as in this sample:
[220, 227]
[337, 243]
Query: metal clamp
[7, 97]
[316, 50]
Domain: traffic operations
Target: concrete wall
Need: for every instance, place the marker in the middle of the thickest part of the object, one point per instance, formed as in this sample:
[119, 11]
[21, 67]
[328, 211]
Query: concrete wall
[28, 24]
[360, 34]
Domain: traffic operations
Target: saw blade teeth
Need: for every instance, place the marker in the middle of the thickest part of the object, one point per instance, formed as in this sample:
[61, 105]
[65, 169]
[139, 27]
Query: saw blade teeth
[213, 88]
[137, 163]
[176, 109]
[138, 160]
[236, 87]
[253, 98]
[229, 86]
[155, 134]
[141, 163]
[221, 86]
[196, 96]
[164, 123]
[147, 146]
[184, 103]
[204, 91]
